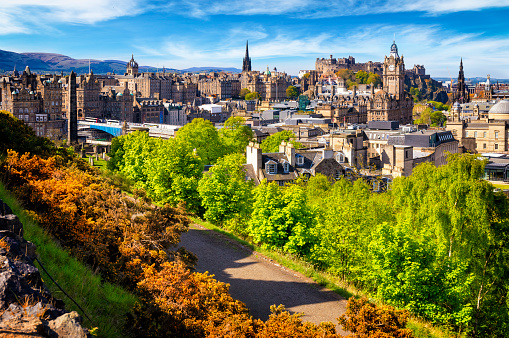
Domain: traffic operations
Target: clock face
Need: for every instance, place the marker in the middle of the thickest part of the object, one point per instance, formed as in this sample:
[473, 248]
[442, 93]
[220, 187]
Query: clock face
[391, 67]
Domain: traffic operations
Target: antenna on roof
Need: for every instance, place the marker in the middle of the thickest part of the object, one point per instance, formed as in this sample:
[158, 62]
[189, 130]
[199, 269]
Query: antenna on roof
[88, 66]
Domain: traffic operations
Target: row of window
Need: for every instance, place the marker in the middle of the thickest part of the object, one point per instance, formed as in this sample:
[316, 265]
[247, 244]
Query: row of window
[485, 134]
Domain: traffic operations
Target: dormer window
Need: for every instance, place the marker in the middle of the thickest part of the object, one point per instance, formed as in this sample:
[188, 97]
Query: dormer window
[340, 157]
[286, 167]
[271, 167]
[299, 159]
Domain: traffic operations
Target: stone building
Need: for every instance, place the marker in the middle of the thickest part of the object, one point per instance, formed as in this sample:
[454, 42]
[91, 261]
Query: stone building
[36, 100]
[331, 65]
[483, 135]
[392, 103]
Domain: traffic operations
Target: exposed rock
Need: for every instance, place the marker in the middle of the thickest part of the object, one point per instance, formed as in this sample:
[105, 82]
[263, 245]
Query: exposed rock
[68, 325]
[27, 308]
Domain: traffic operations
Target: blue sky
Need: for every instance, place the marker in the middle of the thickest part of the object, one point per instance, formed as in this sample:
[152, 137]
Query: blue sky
[287, 34]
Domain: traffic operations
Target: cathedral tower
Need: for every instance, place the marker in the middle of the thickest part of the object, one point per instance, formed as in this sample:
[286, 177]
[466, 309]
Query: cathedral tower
[394, 73]
[246, 64]
[132, 67]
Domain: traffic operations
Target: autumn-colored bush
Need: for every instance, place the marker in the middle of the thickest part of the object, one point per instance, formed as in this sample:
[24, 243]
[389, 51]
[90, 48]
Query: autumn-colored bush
[282, 324]
[366, 320]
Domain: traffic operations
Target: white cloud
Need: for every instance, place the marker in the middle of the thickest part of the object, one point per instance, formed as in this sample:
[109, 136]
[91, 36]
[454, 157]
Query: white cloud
[331, 8]
[426, 45]
[29, 15]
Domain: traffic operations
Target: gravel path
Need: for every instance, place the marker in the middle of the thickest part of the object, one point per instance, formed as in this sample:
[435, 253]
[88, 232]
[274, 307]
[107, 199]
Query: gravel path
[259, 282]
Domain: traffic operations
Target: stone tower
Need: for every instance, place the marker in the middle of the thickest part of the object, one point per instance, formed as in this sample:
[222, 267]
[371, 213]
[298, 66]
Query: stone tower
[246, 64]
[394, 73]
[72, 118]
[132, 67]
[462, 93]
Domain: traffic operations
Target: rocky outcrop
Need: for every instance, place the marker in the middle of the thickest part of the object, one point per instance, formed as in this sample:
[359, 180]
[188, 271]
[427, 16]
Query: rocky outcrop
[26, 306]
[429, 89]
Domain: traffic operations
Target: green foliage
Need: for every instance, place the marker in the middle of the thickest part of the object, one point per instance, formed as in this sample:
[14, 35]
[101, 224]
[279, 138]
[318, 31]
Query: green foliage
[16, 135]
[434, 118]
[374, 79]
[439, 105]
[224, 192]
[292, 92]
[349, 214]
[235, 135]
[362, 77]
[169, 170]
[282, 219]
[415, 93]
[252, 96]
[271, 143]
[244, 92]
[201, 135]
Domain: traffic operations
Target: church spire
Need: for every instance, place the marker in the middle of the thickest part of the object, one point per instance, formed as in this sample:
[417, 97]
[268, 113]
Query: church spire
[246, 64]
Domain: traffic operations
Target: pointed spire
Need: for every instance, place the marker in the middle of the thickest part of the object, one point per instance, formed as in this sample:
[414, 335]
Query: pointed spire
[246, 64]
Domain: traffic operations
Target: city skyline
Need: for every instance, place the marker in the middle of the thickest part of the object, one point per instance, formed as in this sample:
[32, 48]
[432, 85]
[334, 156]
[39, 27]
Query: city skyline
[287, 35]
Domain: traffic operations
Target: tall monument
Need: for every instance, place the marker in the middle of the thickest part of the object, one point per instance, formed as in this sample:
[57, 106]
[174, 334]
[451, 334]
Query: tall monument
[72, 118]
[246, 64]
[394, 73]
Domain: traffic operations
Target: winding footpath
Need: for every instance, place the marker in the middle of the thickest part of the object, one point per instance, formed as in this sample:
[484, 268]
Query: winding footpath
[258, 281]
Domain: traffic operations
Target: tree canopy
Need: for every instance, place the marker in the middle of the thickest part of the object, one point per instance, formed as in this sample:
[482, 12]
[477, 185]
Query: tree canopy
[271, 143]
[292, 92]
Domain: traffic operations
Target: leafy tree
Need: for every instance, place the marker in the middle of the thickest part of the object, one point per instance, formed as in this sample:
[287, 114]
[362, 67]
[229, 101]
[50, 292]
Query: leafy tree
[271, 143]
[16, 135]
[201, 135]
[374, 79]
[439, 105]
[224, 192]
[346, 74]
[431, 117]
[452, 208]
[415, 93]
[244, 92]
[362, 77]
[235, 135]
[252, 96]
[116, 154]
[292, 92]
[282, 219]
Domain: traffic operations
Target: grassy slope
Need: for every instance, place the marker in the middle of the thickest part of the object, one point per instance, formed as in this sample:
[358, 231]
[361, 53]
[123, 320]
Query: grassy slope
[105, 304]
[420, 328]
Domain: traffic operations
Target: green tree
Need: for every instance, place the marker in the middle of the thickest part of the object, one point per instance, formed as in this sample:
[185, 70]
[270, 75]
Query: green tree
[244, 92]
[116, 154]
[224, 191]
[292, 92]
[201, 135]
[252, 96]
[172, 172]
[235, 135]
[431, 117]
[282, 219]
[271, 143]
[362, 77]
[457, 212]
[374, 79]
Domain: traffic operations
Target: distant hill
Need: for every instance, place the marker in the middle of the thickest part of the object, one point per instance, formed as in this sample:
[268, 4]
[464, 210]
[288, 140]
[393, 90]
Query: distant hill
[211, 69]
[51, 63]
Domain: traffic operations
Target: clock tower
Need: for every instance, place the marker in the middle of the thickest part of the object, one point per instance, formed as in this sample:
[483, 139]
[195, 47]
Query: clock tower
[394, 73]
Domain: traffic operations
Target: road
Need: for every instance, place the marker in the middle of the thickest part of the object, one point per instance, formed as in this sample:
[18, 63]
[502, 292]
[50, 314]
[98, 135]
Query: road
[259, 282]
